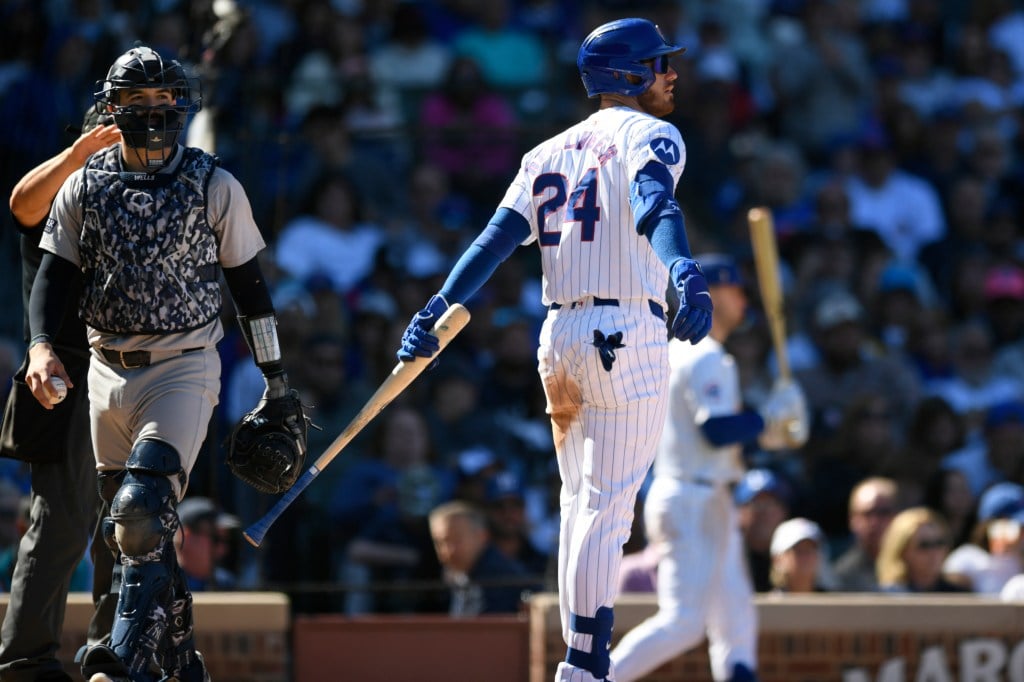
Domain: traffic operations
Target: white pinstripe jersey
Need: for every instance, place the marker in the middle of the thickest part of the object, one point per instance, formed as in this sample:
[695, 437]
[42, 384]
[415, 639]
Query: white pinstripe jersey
[704, 383]
[573, 189]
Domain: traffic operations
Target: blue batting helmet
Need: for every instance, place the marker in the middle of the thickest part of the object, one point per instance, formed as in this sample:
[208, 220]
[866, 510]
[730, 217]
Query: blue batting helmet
[618, 48]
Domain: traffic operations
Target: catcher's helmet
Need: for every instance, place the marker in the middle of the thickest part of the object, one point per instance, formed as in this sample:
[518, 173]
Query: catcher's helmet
[618, 48]
[151, 127]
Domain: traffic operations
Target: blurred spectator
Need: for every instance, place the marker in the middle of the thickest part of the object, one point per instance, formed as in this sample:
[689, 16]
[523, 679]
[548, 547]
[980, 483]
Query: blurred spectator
[913, 548]
[947, 491]
[867, 441]
[848, 368]
[974, 386]
[998, 455]
[508, 57]
[820, 76]
[200, 547]
[480, 578]
[995, 552]
[763, 500]
[1004, 291]
[410, 59]
[506, 519]
[902, 294]
[902, 208]
[873, 504]
[393, 548]
[331, 398]
[331, 236]
[469, 130]
[798, 557]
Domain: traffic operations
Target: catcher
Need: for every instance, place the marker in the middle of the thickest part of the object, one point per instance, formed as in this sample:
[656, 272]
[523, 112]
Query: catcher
[143, 233]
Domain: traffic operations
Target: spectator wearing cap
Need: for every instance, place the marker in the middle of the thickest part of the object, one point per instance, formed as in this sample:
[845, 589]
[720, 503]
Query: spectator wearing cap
[902, 293]
[849, 367]
[798, 551]
[763, 501]
[872, 505]
[995, 551]
[199, 545]
[913, 549]
[998, 454]
[902, 208]
[506, 519]
[974, 386]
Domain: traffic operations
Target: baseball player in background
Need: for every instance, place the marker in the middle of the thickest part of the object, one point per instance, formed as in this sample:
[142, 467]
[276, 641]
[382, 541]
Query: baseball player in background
[598, 199]
[56, 443]
[703, 586]
[144, 229]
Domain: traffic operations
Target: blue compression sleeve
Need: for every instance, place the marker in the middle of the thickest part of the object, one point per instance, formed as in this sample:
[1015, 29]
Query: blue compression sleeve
[744, 427]
[657, 213]
[506, 231]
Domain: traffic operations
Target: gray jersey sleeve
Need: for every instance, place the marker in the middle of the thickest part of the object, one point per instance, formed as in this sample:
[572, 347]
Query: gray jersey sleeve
[230, 215]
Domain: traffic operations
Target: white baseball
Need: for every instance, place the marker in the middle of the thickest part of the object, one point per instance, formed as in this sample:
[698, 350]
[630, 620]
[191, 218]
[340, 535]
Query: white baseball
[60, 388]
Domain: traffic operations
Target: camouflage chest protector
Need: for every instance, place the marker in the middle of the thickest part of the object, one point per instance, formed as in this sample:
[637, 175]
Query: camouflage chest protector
[148, 253]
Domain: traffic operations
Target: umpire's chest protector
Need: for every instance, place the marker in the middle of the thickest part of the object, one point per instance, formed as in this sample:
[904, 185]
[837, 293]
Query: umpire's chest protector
[148, 253]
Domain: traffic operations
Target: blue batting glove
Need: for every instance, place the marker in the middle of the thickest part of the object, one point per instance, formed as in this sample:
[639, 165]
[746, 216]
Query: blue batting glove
[417, 341]
[693, 319]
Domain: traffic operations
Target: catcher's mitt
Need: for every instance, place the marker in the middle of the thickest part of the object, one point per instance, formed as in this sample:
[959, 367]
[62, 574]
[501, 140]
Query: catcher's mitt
[268, 445]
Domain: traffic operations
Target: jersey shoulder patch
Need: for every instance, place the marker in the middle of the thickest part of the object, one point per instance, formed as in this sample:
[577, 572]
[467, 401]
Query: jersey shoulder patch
[665, 150]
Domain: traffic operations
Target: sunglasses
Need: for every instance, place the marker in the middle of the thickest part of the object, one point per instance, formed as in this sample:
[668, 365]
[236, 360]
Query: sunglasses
[660, 64]
[931, 543]
[877, 512]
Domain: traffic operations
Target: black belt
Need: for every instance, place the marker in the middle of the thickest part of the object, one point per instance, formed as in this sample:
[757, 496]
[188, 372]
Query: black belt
[133, 359]
[655, 307]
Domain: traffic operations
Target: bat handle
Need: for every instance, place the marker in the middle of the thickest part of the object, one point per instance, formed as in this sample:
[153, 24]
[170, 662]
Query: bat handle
[258, 530]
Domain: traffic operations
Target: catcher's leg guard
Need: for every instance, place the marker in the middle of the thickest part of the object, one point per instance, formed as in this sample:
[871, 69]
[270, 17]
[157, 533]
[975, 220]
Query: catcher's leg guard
[143, 512]
[178, 657]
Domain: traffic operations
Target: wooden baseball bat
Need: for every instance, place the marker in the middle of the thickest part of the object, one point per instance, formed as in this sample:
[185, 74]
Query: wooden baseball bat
[447, 326]
[766, 261]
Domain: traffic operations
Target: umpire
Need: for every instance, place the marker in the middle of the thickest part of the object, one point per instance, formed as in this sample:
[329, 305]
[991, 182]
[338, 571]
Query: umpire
[58, 448]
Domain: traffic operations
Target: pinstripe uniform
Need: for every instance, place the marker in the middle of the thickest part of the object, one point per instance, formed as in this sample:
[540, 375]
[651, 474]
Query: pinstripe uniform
[603, 352]
[703, 587]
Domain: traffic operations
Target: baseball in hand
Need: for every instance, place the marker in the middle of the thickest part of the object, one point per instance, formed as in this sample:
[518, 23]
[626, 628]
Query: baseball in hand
[59, 388]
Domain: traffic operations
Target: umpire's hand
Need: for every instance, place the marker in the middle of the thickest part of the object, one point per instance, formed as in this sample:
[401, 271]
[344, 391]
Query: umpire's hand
[43, 364]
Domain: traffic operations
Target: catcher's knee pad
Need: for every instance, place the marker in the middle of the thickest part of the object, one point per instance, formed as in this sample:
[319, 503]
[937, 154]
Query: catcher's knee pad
[598, 660]
[143, 506]
[109, 482]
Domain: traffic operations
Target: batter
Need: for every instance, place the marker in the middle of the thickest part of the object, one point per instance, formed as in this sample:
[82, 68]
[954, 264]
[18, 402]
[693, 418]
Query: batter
[598, 200]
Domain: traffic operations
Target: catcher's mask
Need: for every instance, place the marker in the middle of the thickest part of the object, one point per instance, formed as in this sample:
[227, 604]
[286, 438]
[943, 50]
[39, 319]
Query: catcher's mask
[151, 130]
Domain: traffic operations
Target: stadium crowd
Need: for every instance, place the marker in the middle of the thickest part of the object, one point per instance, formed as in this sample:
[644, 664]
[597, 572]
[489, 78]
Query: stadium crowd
[374, 137]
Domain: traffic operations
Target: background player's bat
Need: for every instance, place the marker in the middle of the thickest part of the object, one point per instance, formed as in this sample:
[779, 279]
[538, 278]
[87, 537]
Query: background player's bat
[447, 326]
[766, 260]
